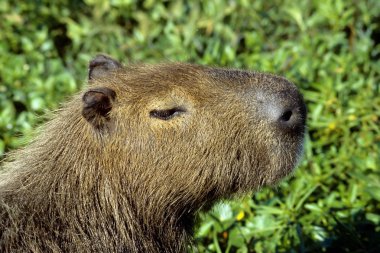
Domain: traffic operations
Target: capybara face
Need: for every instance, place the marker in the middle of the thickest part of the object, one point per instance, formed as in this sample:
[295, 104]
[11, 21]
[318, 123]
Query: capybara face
[195, 130]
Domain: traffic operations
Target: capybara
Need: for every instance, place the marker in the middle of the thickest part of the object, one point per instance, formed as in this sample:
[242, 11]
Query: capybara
[127, 163]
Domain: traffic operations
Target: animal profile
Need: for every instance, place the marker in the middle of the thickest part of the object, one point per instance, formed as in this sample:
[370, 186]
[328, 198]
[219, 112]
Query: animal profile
[128, 162]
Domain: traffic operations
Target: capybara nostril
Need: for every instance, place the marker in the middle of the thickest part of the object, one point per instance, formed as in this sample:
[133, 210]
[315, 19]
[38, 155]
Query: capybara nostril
[285, 110]
[292, 116]
[293, 119]
[285, 116]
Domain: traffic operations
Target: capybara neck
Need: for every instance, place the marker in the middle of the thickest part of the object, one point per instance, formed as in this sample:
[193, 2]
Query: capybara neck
[91, 199]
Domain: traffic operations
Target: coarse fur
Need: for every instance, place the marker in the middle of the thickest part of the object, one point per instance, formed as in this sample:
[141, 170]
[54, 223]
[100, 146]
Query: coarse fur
[109, 173]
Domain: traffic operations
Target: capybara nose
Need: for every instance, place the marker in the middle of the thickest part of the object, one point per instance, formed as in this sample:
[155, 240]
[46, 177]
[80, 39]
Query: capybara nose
[286, 109]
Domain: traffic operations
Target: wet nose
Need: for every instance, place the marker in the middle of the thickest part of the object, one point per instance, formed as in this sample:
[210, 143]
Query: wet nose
[285, 109]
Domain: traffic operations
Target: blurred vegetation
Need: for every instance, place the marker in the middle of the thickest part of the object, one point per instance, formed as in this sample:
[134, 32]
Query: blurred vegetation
[330, 49]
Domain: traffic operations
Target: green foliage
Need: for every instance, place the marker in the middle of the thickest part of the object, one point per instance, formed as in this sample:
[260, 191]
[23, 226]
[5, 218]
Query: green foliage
[330, 49]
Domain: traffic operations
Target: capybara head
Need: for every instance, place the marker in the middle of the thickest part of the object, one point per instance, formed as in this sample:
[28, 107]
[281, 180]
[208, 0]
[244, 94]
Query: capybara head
[150, 145]
[192, 130]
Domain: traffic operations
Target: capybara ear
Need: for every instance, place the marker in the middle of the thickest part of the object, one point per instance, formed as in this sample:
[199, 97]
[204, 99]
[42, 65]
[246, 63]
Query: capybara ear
[100, 65]
[97, 103]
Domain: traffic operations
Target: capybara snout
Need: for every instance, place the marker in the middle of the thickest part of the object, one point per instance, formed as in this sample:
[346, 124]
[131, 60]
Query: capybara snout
[282, 105]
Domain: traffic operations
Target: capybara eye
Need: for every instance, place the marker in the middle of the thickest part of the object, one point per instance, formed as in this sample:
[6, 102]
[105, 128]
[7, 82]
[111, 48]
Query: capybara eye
[167, 113]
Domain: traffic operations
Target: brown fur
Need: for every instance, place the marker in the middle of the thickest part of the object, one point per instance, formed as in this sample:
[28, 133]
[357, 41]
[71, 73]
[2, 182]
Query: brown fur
[121, 180]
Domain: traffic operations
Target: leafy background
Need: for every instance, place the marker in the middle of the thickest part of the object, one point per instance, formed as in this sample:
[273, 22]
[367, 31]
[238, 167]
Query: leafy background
[330, 49]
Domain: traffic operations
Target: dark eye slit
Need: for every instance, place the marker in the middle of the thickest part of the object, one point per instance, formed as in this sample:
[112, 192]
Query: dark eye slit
[167, 113]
